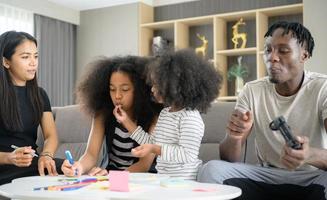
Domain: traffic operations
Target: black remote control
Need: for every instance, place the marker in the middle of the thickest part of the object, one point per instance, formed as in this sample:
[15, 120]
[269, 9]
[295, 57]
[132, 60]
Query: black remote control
[280, 124]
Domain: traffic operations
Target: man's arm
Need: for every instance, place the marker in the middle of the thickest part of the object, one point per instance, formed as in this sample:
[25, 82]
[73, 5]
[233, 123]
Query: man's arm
[293, 159]
[238, 129]
[318, 157]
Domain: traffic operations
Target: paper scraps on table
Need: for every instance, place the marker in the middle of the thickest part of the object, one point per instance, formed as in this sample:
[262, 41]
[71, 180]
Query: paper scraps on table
[205, 190]
[175, 183]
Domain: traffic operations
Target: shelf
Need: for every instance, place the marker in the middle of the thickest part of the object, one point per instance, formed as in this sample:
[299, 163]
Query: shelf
[236, 52]
[234, 16]
[159, 25]
[283, 10]
[196, 21]
[218, 29]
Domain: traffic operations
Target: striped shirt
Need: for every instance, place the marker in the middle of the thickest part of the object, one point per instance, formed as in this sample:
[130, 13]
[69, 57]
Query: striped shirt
[120, 156]
[179, 134]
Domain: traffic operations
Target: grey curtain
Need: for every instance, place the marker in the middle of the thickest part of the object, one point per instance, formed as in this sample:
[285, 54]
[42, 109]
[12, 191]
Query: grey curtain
[57, 47]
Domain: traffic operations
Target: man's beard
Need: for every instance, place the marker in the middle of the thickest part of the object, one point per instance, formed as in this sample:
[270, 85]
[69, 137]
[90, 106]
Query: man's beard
[272, 80]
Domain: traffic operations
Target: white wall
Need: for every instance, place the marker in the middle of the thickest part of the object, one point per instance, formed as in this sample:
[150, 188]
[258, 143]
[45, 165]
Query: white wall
[46, 8]
[314, 18]
[114, 30]
[107, 31]
[168, 2]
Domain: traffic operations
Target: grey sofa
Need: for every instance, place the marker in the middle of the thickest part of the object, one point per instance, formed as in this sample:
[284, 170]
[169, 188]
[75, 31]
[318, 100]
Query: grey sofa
[216, 120]
[73, 128]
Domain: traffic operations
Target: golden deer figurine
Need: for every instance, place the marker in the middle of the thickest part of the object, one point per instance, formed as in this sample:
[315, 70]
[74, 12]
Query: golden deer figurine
[237, 35]
[202, 50]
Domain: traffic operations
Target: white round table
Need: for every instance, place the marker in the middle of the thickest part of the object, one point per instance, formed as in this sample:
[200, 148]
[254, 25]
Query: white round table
[143, 186]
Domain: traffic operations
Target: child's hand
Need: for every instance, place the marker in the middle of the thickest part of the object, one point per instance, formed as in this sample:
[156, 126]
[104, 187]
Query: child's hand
[71, 170]
[120, 114]
[97, 171]
[124, 119]
[146, 149]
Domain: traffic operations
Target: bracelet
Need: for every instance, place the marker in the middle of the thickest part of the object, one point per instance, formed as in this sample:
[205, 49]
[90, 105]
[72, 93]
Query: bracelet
[47, 154]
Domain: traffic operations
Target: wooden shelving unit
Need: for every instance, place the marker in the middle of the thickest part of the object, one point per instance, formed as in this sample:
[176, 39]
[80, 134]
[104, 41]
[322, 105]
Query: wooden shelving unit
[219, 23]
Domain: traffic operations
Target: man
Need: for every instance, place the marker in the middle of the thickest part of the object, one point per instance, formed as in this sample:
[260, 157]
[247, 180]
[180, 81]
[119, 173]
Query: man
[301, 97]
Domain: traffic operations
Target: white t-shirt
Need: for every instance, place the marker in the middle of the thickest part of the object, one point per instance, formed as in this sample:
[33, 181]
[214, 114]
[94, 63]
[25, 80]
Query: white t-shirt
[179, 134]
[304, 112]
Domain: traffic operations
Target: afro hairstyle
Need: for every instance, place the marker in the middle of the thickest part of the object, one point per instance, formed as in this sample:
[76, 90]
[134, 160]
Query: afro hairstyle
[93, 91]
[185, 80]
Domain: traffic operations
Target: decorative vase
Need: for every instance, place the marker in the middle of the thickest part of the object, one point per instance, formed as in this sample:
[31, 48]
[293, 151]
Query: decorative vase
[239, 83]
[159, 45]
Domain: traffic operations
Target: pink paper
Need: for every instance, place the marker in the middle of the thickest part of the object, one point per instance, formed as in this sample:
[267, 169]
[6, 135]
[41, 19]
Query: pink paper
[118, 181]
[204, 190]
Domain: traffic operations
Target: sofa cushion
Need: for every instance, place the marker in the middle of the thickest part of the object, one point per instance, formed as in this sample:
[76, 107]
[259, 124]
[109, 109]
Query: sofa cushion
[73, 128]
[70, 119]
[215, 121]
[209, 151]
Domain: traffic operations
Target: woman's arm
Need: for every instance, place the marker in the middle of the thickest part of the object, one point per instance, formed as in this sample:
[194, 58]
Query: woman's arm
[50, 144]
[4, 158]
[20, 157]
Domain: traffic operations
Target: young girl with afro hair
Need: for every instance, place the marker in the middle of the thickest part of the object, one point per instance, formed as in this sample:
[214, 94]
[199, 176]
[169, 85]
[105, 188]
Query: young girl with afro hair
[112, 82]
[186, 84]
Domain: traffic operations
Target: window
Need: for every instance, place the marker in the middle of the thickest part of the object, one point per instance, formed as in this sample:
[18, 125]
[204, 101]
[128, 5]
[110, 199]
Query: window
[17, 19]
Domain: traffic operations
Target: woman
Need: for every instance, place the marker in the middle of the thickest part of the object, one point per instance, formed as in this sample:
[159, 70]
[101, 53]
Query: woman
[23, 107]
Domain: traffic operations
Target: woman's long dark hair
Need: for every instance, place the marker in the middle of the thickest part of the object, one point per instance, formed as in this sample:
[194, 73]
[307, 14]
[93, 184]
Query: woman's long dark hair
[9, 107]
[94, 95]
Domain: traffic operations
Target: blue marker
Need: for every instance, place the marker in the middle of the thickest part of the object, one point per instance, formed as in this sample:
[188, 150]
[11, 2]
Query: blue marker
[69, 157]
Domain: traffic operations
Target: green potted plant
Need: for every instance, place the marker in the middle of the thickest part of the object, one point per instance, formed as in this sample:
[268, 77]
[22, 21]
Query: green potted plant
[238, 72]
